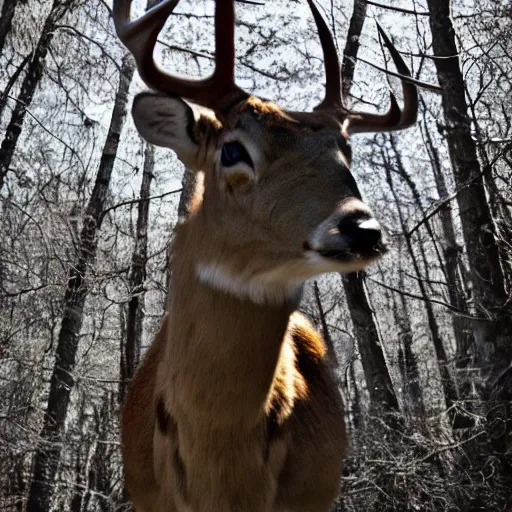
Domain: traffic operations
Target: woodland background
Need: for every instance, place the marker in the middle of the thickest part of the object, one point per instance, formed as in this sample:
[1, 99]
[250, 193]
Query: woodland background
[423, 339]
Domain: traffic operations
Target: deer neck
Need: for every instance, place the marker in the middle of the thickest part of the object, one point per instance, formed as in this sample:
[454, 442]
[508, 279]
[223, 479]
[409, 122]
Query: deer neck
[223, 348]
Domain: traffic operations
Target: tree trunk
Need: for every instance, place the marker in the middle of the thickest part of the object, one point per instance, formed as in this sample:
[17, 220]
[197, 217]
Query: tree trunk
[357, 420]
[477, 224]
[6, 16]
[10, 84]
[131, 350]
[325, 328]
[29, 85]
[188, 183]
[100, 476]
[500, 210]
[413, 396]
[377, 376]
[378, 380]
[79, 463]
[452, 253]
[352, 44]
[46, 459]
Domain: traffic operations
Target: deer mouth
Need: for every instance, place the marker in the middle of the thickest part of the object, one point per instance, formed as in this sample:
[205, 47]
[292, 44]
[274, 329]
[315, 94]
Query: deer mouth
[348, 255]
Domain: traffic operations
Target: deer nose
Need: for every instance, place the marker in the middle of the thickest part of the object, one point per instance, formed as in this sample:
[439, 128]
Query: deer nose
[363, 231]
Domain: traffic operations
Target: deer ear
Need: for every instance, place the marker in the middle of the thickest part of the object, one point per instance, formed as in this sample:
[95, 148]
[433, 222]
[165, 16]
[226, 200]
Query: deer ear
[169, 122]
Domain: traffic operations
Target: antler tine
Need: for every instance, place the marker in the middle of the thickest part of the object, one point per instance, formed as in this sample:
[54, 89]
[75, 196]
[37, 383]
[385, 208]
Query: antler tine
[332, 97]
[394, 119]
[140, 37]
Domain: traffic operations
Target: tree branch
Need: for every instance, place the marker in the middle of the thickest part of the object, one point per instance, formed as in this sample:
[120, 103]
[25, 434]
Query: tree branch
[138, 200]
[398, 9]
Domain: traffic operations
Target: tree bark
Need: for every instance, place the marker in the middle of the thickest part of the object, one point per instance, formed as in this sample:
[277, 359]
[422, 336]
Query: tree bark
[46, 459]
[325, 328]
[357, 420]
[6, 17]
[188, 183]
[130, 356]
[100, 475]
[10, 84]
[29, 85]
[348, 65]
[413, 396]
[477, 224]
[378, 380]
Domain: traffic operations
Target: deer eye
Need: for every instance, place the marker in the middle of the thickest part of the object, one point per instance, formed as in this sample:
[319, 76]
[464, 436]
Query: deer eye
[233, 153]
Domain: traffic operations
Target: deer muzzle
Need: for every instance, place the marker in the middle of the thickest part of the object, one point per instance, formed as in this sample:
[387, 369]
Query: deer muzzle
[351, 232]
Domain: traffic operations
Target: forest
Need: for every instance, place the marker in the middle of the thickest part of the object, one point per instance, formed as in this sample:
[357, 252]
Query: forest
[423, 338]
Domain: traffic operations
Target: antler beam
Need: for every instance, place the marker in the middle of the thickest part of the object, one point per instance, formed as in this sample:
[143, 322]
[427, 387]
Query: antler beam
[140, 37]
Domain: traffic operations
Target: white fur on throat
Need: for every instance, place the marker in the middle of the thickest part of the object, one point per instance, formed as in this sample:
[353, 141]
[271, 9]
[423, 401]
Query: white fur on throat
[257, 290]
[277, 285]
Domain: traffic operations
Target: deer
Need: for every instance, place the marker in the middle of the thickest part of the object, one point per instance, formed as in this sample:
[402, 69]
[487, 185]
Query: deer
[235, 406]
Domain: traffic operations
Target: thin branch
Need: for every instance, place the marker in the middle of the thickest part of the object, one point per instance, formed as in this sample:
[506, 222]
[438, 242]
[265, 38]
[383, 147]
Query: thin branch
[451, 197]
[211, 56]
[25, 290]
[5, 93]
[398, 9]
[428, 56]
[133, 201]
[424, 85]
[87, 38]
[73, 152]
[419, 297]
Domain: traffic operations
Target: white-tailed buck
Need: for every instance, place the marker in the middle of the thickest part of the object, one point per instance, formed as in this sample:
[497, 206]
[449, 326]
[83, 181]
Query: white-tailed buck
[235, 407]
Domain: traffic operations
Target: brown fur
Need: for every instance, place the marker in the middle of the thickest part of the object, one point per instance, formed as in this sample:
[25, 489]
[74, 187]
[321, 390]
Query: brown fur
[299, 447]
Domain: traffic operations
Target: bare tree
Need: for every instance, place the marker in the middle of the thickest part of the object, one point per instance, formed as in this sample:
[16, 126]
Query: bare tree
[452, 252]
[407, 361]
[447, 381]
[378, 380]
[46, 458]
[477, 223]
[325, 327]
[130, 348]
[30, 82]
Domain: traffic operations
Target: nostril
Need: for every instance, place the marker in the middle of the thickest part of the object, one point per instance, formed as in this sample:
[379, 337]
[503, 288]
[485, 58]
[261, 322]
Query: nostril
[368, 238]
[365, 233]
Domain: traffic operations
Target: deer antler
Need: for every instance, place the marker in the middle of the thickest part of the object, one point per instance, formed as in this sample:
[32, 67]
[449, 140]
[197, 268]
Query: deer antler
[140, 38]
[332, 97]
[394, 118]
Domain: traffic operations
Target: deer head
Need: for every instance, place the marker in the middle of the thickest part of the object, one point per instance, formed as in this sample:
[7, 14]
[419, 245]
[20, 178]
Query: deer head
[278, 203]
